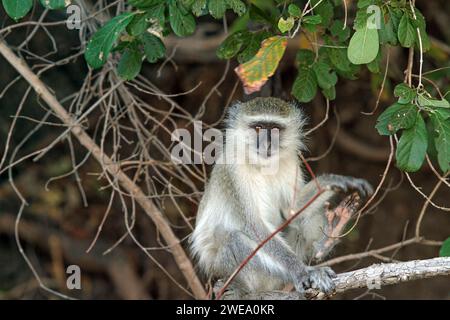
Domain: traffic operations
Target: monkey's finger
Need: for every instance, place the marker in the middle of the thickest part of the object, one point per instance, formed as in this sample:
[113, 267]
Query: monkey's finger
[329, 272]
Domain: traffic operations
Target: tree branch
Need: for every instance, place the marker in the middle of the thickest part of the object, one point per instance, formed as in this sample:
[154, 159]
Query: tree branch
[112, 168]
[372, 277]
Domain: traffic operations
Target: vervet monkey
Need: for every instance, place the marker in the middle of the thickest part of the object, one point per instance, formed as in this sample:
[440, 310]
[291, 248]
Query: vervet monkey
[243, 204]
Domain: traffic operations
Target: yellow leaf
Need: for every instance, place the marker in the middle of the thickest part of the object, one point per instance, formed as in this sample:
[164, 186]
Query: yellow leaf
[255, 72]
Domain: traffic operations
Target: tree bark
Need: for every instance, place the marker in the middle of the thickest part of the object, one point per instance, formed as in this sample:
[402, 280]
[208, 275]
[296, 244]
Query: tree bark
[372, 277]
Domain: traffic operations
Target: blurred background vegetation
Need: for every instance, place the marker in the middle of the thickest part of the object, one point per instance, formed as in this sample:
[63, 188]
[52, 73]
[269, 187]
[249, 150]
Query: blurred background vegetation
[57, 228]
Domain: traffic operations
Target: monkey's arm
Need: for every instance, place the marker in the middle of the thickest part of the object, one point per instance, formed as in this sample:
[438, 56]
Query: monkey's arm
[275, 258]
[310, 235]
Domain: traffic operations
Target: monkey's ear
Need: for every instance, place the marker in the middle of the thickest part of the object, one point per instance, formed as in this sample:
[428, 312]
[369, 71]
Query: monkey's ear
[235, 103]
[234, 107]
[295, 104]
[232, 112]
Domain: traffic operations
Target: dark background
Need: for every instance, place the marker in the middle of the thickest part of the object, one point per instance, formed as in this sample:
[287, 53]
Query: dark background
[57, 229]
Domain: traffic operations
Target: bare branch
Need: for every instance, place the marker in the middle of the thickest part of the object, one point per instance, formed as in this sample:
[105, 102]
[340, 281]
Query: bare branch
[375, 276]
[112, 168]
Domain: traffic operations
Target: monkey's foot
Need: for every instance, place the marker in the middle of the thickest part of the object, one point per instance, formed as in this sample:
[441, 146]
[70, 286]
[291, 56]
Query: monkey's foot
[320, 278]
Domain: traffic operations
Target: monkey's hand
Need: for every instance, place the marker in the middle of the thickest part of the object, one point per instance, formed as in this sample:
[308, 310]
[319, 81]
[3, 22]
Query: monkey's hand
[346, 196]
[344, 185]
[320, 278]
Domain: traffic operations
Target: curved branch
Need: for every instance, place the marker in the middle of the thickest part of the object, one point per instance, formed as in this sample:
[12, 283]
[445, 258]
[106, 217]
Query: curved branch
[110, 166]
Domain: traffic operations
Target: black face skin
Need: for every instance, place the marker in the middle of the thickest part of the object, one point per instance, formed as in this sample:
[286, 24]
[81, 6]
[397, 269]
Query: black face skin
[266, 133]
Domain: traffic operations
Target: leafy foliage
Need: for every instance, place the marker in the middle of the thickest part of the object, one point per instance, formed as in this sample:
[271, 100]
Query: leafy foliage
[102, 42]
[408, 114]
[421, 120]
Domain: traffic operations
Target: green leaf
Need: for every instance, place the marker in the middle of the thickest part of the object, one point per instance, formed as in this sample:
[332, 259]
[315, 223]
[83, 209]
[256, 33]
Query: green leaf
[144, 3]
[441, 125]
[305, 57]
[360, 21]
[387, 32]
[325, 10]
[217, 8]
[17, 9]
[257, 14]
[420, 21]
[431, 150]
[330, 93]
[412, 147]
[237, 6]
[154, 48]
[337, 30]
[137, 25]
[424, 101]
[101, 43]
[199, 8]
[130, 64]
[326, 78]
[443, 113]
[304, 88]
[156, 14]
[339, 58]
[314, 19]
[395, 15]
[181, 21]
[294, 10]
[404, 93]
[232, 44]
[187, 3]
[252, 45]
[445, 249]
[396, 117]
[365, 3]
[54, 4]
[374, 65]
[364, 46]
[285, 25]
[406, 32]
[255, 72]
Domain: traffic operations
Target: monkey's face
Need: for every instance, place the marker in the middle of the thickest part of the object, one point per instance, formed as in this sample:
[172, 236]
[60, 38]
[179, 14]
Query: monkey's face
[264, 131]
[264, 138]
[260, 139]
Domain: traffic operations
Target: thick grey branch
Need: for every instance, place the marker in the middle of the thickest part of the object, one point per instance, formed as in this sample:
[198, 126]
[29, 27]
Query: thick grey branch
[374, 277]
[392, 273]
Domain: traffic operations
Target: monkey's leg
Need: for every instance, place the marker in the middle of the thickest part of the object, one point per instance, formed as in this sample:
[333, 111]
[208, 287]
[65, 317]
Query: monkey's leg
[262, 295]
[275, 259]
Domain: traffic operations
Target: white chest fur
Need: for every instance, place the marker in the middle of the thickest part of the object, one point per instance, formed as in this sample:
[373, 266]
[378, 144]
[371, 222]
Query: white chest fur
[271, 193]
